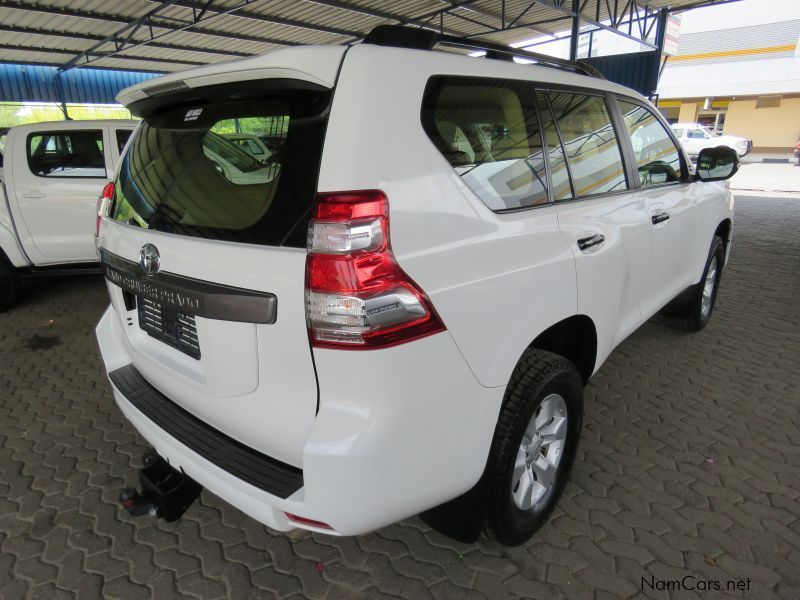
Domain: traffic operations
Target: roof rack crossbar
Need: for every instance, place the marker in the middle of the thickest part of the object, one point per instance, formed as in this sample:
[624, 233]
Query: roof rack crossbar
[422, 39]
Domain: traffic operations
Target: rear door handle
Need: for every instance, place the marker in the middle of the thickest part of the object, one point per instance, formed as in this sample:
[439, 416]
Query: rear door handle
[659, 217]
[592, 240]
[33, 194]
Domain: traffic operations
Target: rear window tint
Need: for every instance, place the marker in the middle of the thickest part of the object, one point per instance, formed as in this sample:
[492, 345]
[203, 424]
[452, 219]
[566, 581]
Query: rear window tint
[183, 174]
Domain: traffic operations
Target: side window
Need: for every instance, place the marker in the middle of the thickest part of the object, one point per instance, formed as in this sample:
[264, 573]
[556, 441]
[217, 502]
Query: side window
[678, 132]
[559, 172]
[488, 131]
[123, 135]
[590, 143]
[67, 154]
[696, 134]
[657, 156]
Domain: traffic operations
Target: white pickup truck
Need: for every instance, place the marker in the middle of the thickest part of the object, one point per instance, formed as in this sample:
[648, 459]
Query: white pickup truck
[51, 176]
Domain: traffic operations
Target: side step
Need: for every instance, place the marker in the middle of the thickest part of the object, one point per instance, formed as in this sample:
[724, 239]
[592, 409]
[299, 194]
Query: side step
[166, 492]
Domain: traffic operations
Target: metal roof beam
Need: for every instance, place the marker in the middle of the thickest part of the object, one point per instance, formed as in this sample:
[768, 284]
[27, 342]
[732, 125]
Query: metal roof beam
[41, 64]
[95, 38]
[265, 18]
[132, 27]
[555, 6]
[157, 22]
[418, 21]
[452, 6]
[172, 61]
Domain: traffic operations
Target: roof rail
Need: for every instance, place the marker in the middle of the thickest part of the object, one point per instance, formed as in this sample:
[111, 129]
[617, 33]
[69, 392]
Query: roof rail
[400, 36]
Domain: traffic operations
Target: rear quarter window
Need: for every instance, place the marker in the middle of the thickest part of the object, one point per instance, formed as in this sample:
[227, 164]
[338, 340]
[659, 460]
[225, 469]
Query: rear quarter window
[489, 133]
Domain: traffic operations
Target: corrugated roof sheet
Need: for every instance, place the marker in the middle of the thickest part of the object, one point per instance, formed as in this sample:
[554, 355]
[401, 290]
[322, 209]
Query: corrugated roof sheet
[38, 83]
[56, 31]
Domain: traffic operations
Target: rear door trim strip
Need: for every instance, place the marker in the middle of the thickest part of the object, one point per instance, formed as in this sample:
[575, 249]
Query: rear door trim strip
[191, 296]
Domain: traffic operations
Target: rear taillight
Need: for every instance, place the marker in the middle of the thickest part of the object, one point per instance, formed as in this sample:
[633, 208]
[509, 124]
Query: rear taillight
[104, 205]
[357, 296]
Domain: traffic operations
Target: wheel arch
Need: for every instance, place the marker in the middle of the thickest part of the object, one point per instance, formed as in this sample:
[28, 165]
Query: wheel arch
[724, 230]
[574, 338]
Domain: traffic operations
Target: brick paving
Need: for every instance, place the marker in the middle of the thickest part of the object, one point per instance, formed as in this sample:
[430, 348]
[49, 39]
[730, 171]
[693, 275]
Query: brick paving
[689, 465]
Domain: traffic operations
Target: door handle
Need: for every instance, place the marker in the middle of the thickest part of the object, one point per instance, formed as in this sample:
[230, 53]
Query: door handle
[659, 217]
[592, 240]
[35, 194]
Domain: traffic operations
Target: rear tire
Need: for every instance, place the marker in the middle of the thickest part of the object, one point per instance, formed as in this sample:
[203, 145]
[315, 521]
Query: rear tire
[534, 445]
[9, 283]
[696, 313]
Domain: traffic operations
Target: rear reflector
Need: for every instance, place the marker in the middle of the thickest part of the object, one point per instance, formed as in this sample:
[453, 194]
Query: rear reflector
[310, 522]
[357, 296]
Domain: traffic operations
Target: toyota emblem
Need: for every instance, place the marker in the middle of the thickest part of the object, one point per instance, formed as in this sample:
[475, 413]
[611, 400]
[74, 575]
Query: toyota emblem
[149, 259]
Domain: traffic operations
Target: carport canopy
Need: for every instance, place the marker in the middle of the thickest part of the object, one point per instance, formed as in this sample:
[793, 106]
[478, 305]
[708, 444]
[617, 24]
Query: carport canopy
[171, 35]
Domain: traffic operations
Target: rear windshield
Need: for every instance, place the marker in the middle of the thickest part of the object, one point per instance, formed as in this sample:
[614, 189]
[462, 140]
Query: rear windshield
[184, 174]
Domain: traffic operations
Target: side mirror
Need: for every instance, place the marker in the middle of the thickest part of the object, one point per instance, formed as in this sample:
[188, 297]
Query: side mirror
[717, 164]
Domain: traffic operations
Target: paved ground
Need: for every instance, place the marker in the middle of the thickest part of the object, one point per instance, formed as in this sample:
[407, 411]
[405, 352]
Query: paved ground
[689, 465]
[767, 179]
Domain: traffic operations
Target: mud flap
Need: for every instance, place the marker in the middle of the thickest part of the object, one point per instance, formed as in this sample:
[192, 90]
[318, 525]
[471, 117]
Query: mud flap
[461, 518]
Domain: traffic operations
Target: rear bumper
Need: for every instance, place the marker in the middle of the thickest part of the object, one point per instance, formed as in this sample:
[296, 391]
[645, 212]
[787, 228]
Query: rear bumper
[409, 429]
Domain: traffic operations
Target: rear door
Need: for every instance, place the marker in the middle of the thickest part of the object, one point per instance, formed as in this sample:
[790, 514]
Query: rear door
[205, 257]
[604, 222]
[671, 208]
[56, 184]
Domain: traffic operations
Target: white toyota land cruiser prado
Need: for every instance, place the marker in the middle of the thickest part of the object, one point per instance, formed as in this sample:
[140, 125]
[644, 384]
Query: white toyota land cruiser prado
[397, 312]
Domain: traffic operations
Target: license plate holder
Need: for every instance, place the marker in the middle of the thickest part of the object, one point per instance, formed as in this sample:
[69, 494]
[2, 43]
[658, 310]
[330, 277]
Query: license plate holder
[168, 325]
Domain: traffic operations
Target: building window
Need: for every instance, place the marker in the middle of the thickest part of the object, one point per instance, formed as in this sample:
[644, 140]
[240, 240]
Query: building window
[768, 101]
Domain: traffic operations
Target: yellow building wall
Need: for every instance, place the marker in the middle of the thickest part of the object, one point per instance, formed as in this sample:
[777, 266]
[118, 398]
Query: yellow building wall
[688, 112]
[768, 127]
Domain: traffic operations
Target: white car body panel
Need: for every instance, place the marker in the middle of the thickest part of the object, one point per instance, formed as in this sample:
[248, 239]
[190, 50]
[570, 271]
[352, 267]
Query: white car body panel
[262, 371]
[424, 411]
[54, 217]
[358, 436]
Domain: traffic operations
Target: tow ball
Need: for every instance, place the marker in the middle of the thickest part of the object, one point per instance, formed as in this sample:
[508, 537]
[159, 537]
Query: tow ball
[166, 492]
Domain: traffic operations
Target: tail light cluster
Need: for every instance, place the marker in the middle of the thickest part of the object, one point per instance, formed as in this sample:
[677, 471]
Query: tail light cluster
[357, 296]
[104, 205]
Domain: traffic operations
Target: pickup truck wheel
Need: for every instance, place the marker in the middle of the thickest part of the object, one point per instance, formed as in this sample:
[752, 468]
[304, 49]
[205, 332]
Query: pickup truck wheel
[534, 445]
[9, 284]
[697, 312]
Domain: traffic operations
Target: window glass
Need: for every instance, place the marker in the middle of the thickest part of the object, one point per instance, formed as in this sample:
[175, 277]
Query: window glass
[183, 175]
[123, 135]
[66, 154]
[678, 132]
[559, 173]
[488, 131]
[657, 156]
[591, 145]
[696, 134]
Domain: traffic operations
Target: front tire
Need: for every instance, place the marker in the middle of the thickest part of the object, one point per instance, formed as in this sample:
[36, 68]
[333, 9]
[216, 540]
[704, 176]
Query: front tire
[697, 312]
[534, 445]
[9, 283]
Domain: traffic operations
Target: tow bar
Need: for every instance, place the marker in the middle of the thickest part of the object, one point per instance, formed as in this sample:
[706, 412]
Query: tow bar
[166, 492]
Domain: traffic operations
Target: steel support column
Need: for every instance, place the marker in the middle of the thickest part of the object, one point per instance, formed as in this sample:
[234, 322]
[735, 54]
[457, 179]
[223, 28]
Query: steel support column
[576, 24]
